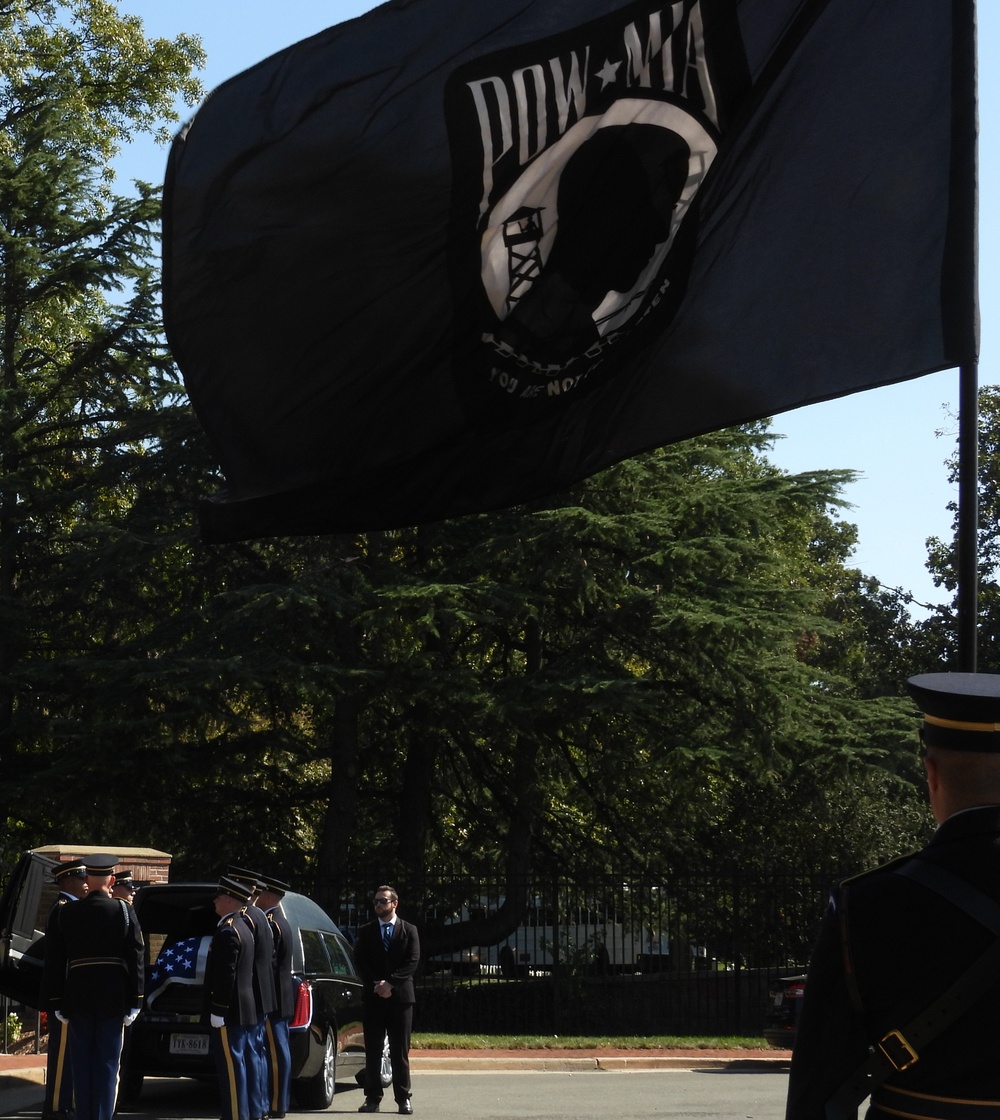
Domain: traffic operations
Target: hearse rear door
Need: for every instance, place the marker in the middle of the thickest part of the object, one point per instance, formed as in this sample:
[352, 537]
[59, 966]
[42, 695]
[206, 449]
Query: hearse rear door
[24, 905]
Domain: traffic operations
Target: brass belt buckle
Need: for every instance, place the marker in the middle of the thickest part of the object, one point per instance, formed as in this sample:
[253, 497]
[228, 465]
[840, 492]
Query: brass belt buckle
[899, 1052]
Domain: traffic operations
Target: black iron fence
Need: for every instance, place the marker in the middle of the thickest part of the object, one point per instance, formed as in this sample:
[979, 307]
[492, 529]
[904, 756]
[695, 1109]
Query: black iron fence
[625, 954]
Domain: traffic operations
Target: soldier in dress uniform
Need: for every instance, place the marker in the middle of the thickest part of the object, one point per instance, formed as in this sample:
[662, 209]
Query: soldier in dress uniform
[93, 979]
[279, 1054]
[264, 996]
[902, 998]
[71, 878]
[124, 887]
[229, 991]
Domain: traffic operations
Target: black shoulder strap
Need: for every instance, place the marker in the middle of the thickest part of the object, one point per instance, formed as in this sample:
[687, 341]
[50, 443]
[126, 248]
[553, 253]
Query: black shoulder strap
[899, 1048]
[980, 907]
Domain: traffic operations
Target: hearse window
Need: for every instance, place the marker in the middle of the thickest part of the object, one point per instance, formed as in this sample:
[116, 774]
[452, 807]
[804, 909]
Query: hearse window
[314, 951]
[338, 958]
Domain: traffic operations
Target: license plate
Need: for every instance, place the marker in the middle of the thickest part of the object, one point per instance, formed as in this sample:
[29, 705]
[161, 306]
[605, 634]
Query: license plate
[779, 999]
[189, 1044]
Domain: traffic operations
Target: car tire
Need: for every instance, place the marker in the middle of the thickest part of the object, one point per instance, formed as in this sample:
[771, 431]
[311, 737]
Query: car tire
[385, 1070]
[131, 1087]
[317, 1092]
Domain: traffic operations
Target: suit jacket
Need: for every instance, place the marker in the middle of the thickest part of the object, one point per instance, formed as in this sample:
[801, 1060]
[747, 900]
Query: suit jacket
[908, 944]
[229, 973]
[94, 958]
[397, 964]
[284, 984]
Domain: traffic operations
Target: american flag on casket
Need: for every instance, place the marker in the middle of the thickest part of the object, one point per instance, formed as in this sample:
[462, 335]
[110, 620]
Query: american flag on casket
[182, 962]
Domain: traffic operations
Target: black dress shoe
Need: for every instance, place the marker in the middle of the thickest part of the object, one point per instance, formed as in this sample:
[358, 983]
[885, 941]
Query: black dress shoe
[405, 1108]
[370, 1105]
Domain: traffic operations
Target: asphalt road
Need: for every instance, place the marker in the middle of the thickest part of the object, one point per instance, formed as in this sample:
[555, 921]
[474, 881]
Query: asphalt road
[675, 1094]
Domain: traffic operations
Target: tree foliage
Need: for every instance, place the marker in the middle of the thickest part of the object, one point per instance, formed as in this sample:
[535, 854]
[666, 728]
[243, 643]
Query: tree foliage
[938, 636]
[85, 387]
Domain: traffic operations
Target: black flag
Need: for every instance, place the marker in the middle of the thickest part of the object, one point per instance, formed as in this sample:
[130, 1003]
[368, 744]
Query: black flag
[448, 257]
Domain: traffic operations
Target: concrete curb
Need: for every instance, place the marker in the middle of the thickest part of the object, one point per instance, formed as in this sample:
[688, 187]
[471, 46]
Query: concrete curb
[616, 1062]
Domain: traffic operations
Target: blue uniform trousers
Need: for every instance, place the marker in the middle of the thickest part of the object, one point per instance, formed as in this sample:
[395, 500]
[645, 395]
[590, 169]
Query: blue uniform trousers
[258, 1093]
[279, 1052]
[58, 1077]
[95, 1050]
[229, 1048]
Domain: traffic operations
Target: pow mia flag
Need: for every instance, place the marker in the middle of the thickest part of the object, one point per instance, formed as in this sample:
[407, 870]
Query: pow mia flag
[449, 257]
[577, 161]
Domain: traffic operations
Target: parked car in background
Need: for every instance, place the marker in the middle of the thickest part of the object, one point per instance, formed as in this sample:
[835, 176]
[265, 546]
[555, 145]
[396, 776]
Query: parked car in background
[596, 936]
[784, 1005]
[169, 1038]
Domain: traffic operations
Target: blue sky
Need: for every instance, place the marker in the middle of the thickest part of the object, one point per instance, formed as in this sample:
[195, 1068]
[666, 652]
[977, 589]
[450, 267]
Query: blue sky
[898, 437]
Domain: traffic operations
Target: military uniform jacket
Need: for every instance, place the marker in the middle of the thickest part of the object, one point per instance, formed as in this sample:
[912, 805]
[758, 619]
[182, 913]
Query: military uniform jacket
[94, 958]
[908, 945]
[397, 964]
[263, 968]
[229, 973]
[284, 983]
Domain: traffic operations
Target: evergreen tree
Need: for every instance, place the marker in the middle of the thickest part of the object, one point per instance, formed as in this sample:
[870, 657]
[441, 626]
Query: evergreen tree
[85, 386]
[938, 634]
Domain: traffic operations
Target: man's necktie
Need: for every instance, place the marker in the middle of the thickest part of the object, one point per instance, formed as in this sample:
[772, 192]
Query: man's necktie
[386, 935]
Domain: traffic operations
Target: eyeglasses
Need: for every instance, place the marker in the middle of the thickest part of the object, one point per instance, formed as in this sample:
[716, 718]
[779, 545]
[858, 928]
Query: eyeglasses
[383, 901]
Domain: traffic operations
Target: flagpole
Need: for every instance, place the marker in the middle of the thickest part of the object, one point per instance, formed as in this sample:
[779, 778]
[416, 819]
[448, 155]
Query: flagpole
[968, 516]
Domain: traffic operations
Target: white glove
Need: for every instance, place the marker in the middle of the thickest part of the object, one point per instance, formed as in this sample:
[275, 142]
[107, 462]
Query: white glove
[61, 1017]
[131, 1017]
[217, 1021]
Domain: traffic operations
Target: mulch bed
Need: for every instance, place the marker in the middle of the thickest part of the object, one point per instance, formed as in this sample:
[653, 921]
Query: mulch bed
[26, 1044]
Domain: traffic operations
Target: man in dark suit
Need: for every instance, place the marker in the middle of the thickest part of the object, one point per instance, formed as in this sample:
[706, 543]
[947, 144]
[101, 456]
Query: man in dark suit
[268, 898]
[71, 879]
[93, 979]
[898, 939]
[229, 991]
[387, 952]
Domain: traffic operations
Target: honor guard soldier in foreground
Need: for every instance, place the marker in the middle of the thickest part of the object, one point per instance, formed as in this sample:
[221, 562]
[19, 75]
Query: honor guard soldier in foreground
[71, 879]
[93, 981]
[229, 991]
[269, 895]
[902, 998]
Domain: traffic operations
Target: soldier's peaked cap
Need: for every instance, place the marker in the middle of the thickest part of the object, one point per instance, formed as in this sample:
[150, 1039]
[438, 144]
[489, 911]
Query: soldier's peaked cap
[275, 886]
[101, 863]
[75, 867]
[234, 888]
[243, 875]
[961, 710]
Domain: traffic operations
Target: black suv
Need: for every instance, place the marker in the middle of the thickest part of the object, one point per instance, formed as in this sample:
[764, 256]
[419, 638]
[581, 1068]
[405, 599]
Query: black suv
[169, 1038]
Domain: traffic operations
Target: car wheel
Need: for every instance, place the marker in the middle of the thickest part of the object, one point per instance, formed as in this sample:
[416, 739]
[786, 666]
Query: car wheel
[385, 1073]
[317, 1092]
[131, 1086]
